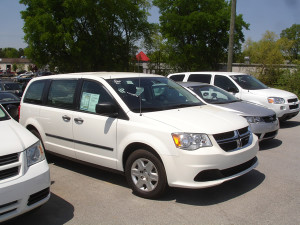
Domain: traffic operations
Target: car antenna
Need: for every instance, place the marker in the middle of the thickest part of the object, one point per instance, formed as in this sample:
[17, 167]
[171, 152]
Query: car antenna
[140, 99]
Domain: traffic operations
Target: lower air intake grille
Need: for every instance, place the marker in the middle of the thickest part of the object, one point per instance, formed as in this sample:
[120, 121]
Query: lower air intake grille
[34, 198]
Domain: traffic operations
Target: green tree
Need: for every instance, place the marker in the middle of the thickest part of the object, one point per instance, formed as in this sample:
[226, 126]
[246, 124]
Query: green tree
[84, 35]
[197, 32]
[157, 52]
[9, 53]
[293, 34]
[268, 53]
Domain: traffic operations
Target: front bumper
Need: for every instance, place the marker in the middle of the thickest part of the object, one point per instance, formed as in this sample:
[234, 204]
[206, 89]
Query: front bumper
[183, 170]
[286, 111]
[265, 130]
[26, 192]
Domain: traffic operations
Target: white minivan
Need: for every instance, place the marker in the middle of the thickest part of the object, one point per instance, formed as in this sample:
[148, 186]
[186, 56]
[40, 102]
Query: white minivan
[248, 88]
[24, 171]
[146, 126]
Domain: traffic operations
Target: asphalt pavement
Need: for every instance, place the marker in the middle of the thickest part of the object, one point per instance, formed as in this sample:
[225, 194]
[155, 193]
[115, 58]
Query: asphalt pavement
[270, 194]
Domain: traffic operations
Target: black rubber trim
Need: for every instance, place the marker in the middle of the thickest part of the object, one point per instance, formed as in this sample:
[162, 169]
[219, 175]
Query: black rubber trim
[80, 142]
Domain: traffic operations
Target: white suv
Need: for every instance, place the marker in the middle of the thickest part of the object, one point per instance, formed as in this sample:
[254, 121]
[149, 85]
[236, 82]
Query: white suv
[246, 87]
[24, 171]
[147, 126]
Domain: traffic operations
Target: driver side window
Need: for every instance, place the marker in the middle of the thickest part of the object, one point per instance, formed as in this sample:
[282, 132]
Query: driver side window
[93, 93]
[225, 83]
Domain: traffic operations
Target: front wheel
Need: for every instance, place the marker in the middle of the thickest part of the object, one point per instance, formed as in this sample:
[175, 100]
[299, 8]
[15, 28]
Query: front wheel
[145, 174]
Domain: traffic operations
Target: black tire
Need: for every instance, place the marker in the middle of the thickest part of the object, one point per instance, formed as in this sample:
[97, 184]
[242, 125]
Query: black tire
[146, 174]
[37, 134]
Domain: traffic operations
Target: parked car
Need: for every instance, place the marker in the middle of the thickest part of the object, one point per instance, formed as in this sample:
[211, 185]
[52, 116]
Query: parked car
[246, 87]
[145, 126]
[24, 171]
[263, 121]
[13, 87]
[43, 73]
[11, 103]
[24, 78]
[21, 72]
[28, 73]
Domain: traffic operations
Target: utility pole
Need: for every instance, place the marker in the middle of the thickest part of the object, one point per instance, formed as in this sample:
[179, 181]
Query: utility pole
[231, 36]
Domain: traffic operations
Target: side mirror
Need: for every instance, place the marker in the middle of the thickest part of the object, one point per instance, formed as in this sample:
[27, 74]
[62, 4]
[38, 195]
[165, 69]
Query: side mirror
[107, 109]
[233, 90]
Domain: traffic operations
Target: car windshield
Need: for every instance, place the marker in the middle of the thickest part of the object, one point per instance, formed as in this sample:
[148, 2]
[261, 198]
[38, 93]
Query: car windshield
[148, 94]
[248, 82]
[213, 95]
[6, 96]
[3, 114]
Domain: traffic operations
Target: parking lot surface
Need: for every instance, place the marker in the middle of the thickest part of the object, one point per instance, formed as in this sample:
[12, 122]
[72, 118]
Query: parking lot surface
[270, 194]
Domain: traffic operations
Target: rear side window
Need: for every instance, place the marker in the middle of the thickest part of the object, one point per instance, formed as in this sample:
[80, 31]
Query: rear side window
[178, 77]
[203, 78]
[62, 93]
[34, 92]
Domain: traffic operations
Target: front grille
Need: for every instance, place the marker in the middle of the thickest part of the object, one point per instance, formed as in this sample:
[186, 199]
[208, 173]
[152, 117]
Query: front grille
[8, 159]
[9, 166]
[36, 197]
[233, 140]
[269, 119]
[294, 106]
[292, 100]
[4, 174]
[215, 174]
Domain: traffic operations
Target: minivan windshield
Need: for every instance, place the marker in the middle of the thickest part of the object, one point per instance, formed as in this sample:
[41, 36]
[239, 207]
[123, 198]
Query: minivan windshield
[148, 94]
[3, 115]
[248, 82]
[212, 94]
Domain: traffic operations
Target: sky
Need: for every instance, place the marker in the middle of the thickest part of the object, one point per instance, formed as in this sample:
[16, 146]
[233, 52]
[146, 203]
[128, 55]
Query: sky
[262, 15]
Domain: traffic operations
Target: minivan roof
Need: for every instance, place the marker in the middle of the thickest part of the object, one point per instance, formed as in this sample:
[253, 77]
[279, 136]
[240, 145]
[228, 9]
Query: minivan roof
[212, 72]
[103, 75]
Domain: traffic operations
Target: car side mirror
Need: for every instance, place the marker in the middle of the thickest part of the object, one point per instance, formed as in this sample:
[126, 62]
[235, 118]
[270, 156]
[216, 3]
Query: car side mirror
[107, 109]
[233, 90]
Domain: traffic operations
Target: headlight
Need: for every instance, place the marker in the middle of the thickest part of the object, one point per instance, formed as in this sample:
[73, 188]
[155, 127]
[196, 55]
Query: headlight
[276, 100]
[35, 153]
[190, 141]
[253, 119]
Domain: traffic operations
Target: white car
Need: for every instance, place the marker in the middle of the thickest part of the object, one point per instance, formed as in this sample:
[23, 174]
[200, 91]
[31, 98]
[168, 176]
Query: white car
[246, 87]
[146, 126]
[24, 171]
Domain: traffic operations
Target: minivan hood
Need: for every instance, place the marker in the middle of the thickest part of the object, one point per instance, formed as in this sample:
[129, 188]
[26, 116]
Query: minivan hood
[273, 92]
[14, 138]
[245, 108]
[199, 119]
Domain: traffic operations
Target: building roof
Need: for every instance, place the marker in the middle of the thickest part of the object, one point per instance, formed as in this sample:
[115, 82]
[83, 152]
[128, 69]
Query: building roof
[14, 60]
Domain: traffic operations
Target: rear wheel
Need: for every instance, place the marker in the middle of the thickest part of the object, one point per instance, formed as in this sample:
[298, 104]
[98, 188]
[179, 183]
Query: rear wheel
[145, 174]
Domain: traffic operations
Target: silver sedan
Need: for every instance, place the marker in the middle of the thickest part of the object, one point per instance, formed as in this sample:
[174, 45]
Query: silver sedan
[263, 121]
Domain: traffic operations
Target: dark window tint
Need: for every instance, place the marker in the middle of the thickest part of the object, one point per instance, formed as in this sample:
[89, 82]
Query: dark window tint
[178, 77]
[12, 86]
[34, 92]
[204, 78]
[225, 83]
[93, 93]
[62, 93]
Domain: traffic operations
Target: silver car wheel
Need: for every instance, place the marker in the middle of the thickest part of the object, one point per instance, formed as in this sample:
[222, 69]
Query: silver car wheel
[144, 174]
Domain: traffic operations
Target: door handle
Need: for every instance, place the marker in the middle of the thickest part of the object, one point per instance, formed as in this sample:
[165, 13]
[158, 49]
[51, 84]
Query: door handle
[78, 120]
[66, 118]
